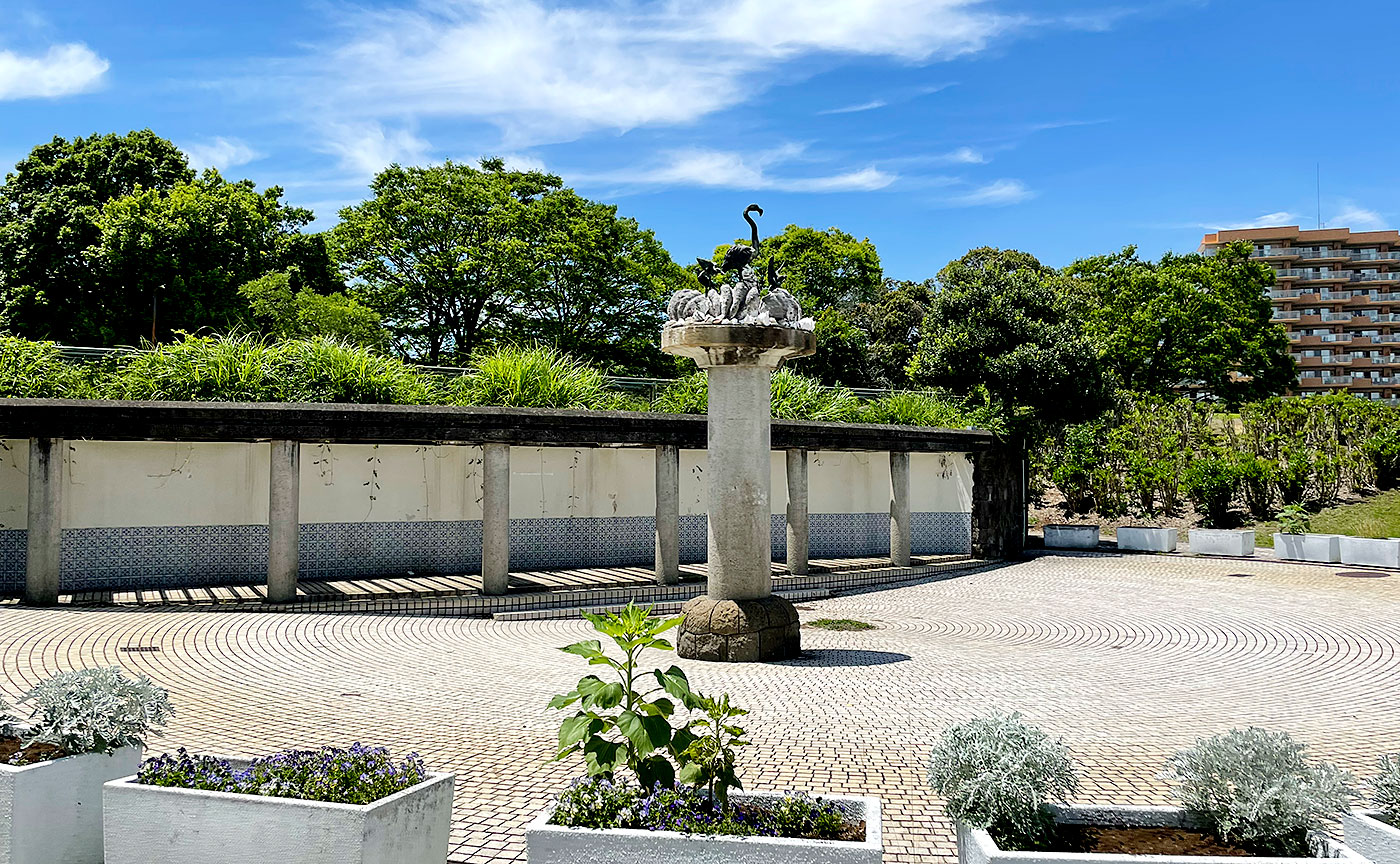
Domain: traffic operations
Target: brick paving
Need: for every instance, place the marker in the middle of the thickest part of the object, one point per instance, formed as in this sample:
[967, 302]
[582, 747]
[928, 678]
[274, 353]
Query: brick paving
[1127, 658]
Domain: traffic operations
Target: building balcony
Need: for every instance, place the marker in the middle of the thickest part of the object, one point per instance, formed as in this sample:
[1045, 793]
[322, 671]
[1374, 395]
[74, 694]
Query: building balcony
[1283, 293]
[1335, 337]
[1323, 254]
[1369, 255]
[1324, 276]
[1335, 295]
[1281, 315]
[1337, 317]
[1375, 277]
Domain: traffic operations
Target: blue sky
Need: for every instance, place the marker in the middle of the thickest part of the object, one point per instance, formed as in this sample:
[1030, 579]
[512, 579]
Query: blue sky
[930, 126]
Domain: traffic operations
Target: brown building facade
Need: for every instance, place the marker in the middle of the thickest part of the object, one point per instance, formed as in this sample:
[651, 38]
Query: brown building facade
[1338, 295]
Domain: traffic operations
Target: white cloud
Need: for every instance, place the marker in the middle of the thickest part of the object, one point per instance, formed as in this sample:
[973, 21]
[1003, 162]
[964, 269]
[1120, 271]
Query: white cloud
[852, 109]
[728, 169]
[219, 152]
[61, 71]
[963, 156]
[1267, 220]
[524, 162]
[546, 72]
[366, 148]
[1355, 217]
[994, 194]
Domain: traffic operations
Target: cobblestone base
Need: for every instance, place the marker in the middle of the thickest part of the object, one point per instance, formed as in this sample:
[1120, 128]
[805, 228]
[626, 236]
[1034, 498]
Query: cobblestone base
[739, 631]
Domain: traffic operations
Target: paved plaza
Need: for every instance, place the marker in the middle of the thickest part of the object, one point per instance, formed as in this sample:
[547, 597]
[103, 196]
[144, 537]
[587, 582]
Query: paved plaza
[1126, 658]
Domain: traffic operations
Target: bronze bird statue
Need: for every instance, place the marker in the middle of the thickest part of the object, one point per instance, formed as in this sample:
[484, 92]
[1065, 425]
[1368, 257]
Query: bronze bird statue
[740, 256]
[707, 272]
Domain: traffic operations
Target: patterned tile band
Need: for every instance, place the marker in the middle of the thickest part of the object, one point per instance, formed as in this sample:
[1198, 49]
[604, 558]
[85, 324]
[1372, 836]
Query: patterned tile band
[171, 556]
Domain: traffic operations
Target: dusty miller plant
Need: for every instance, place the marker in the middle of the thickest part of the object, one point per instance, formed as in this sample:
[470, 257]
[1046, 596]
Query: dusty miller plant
[1385, 788]
[626, 724]
[1259, 789]
[95, 711]
[998, 773]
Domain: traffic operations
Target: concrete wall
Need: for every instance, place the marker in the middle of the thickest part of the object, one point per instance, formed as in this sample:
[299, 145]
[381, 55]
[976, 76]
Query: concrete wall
[156, 513]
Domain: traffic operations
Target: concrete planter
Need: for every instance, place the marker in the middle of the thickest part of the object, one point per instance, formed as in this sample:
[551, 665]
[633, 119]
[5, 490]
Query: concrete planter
[552, 844]
[1210, 541]
[975, 846]
[1071, 536]
[1370, 837]
[158, 825]
[51, 812]
[1147, 539]
[1375, 553]
[1322, 548]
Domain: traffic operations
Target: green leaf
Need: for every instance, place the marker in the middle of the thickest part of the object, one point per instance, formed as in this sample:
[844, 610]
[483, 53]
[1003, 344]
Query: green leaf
[576, 728]
[674, 682]
[691, 773]
[589, 648]
[681, 739]
[565, 700]
[632, 726]
[602, 756]
[654, 770]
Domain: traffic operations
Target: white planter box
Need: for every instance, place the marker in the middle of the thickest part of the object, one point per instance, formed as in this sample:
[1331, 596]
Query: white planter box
[552, 844]
[1372, 838]
[1071, 536]
[975, 846]
[1376, 553]
[1147, 539]
[1209, 541]
[51, 812]
[159, 825]
[1322, 548]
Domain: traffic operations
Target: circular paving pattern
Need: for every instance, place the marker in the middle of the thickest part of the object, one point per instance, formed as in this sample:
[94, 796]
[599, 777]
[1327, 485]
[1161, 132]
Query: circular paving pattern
[1126, 658]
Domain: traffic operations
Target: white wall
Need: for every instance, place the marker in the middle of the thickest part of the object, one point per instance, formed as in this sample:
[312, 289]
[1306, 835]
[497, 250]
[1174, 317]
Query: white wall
[117, 484]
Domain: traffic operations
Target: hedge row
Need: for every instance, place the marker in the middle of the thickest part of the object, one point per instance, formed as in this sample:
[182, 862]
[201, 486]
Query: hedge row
[250, 369]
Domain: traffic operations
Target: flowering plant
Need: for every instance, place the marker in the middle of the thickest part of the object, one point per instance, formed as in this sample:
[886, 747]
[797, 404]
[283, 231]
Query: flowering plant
[358, 775]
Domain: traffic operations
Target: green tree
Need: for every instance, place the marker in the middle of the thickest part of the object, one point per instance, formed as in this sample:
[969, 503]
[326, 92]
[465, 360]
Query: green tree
[894, 328]
[186, 251]
[281, 305]
[600, 290]
[843, 352]
[1001, 325]
[1202, 322]
[50, 208]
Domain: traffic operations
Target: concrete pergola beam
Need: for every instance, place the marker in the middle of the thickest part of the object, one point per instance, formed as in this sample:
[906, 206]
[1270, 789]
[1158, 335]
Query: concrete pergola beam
[798, 522]
[283, 520]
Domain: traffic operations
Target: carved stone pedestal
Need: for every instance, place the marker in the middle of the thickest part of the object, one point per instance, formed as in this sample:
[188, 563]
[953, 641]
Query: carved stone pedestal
[739, 631]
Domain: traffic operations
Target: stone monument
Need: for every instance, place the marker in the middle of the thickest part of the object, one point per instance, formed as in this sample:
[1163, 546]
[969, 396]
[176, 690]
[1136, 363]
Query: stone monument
[738, 332]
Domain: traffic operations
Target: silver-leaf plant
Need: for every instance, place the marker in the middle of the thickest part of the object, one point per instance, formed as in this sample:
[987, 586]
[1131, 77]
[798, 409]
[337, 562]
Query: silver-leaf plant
[1385, 788]
[1259, 790]
[95, 711]
[998, 773]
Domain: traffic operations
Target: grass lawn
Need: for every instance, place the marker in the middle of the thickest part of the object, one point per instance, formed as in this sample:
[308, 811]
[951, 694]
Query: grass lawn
[1378, 516]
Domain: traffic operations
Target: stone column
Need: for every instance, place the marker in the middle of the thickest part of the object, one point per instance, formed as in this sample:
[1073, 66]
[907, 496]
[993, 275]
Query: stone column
[668, 515]
[283, 520]
[899, 509]
[739, 619]
[797, 522]
[495, 518]
[999, 502]
[45, 521]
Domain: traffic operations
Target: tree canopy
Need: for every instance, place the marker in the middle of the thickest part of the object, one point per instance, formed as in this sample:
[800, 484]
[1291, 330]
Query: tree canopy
[50, 208]
[1195, 320]
[456, 257]
[1001, 325]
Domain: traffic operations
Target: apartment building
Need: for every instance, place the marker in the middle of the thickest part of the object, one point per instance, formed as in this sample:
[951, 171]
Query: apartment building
[1338, 296]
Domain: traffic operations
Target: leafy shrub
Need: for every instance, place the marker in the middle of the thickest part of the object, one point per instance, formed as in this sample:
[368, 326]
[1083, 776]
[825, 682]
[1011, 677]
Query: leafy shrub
[907, 408]
[1259, 789]
[998, 773]
[327, 370]
[1211, 482]
[34, 370]
[95, 711]
[358, 775]
[197, 369]
[1257, 485]
[618, 726]
[1385, 789]
[709, 761]
[688, 395]
[535, 377]
[797, 397]
[1294, 519]
[1383, 449]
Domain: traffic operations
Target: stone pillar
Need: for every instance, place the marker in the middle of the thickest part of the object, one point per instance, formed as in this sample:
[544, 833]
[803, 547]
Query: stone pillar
[668, 515]
[797, 522]
[739, 619]
[495, 518]
[283, 520]
[45, 521]
[899, 509]
[999, 502]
